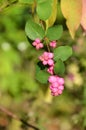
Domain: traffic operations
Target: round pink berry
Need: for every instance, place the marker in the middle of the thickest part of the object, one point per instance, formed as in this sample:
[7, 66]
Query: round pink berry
[53, 44]
[44, 62]
[50, 62]
[55, 84]
[54, 94]
[59, 91]
[52, 79]
[61, 81]
[37, 40]
[50, 69]
[41, 45]
[50, 55]
[34, 43]
[61, 87]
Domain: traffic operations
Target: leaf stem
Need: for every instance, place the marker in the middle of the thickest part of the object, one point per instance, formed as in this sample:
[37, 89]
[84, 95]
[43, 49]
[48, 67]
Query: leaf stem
[47, 41]
[48, 48]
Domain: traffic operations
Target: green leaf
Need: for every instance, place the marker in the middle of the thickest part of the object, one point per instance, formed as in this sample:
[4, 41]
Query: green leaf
[59, 68]
[62, 52]
[26, 1]
[72, 11]
[55, 32]
[52, 18]
[41, 75]
[44, 9]
[34, 30]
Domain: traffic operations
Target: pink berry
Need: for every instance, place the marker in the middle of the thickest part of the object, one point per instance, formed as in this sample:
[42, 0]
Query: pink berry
[37, 44]
[54, 94]
[59, 91]
[41, 45]
[61, 81]
[37, 40]
[56, 85]
[44, 62]
[50, 55]
[50, 62]
[53, 44]
[34, 43]
[50, 69]
[61, 87]
[52, 79]
[46, 58]
[37, 47]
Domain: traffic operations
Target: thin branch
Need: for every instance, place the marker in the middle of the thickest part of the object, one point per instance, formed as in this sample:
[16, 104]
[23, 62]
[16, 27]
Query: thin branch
[48, 48]
[12, 115]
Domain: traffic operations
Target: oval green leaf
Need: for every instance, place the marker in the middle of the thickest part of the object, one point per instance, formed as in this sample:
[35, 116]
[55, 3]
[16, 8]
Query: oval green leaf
[62, 52]
[44, 9]
[42, 76]
[34, 30]
[55, 32]
[59, 68]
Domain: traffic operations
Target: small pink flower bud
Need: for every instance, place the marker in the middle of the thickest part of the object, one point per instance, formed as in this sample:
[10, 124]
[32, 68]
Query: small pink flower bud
[50, 69]
[61, 87]
[44, 62]
[41, 45]
[61, 81]
[53, 44]
[50, 62]
[54, 94]
[46, 58]
[50, 55]
[37, 44]
[55, 84]
[34, 43]
[37, 40]
[52, 79]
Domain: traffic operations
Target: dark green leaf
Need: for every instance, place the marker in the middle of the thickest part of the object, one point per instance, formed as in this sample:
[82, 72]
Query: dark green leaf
[44, 9]
[41, 75]
[62, 52]
[55, 32]
[59, 68]
[34, 30]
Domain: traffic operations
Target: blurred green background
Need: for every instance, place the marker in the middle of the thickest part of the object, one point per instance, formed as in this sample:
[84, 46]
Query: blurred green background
[22, 94]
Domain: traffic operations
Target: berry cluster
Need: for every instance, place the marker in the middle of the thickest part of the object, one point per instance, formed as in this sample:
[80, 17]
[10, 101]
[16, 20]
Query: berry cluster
[56, 82]
[46, 58]
[37, 43]
[56, 85]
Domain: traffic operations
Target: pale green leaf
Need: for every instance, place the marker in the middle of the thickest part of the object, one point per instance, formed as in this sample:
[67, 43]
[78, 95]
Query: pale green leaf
[44, 9]
[34, 30]
[55, 32]
[62, 52]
